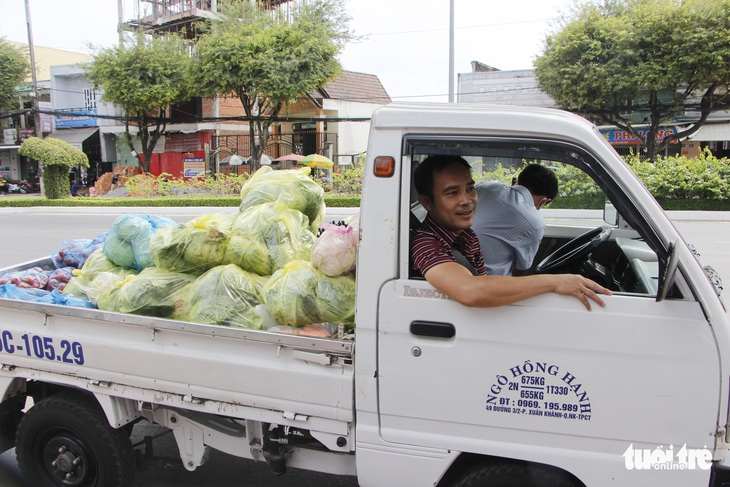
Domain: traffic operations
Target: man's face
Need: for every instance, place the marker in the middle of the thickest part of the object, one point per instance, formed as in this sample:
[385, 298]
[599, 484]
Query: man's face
[454, 198]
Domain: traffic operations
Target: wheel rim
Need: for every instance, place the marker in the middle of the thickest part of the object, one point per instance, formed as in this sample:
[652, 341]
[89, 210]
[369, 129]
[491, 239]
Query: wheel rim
[64, 458]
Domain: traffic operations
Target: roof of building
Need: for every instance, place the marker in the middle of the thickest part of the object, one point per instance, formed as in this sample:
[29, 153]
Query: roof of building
[45, 57]
[352, 86]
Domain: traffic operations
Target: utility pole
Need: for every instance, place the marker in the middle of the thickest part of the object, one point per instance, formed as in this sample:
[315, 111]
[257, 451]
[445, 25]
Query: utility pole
[36, 115]
[36, 98]
[120, 22]
[451, 51]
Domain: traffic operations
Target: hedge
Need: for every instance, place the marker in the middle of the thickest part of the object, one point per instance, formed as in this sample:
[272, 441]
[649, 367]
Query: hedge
[562, 202]
[219, 201]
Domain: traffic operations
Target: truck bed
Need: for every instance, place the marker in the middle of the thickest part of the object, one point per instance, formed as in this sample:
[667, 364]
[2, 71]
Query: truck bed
[222, 370]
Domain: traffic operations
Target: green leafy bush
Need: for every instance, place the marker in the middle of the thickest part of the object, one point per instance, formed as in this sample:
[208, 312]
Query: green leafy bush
[677, 177]
[57, 156]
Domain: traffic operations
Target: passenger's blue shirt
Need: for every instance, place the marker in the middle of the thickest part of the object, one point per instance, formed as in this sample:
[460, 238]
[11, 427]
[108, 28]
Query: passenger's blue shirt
[508, 226]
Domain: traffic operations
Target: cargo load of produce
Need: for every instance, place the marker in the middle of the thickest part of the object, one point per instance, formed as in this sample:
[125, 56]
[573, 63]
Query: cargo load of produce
[262, 267]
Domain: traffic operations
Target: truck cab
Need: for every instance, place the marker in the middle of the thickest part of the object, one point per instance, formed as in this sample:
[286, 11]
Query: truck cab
[542, 383]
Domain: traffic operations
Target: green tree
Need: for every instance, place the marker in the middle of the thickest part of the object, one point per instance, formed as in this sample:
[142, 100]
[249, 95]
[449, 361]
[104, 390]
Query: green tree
[57, 157]
[144, 77]
[14, 70]
[268, 59]
[632, 62]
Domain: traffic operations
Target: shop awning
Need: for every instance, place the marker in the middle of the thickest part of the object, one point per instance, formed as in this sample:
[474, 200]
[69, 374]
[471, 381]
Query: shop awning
[75, 137]
[712, 132]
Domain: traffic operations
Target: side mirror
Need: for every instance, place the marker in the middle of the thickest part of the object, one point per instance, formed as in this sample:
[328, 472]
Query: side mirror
[610, 215]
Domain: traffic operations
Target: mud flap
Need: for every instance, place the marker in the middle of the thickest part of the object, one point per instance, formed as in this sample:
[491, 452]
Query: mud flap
[11, 410]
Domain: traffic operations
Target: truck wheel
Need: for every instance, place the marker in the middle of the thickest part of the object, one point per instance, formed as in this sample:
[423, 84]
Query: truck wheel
[66, 441]
[514, 474]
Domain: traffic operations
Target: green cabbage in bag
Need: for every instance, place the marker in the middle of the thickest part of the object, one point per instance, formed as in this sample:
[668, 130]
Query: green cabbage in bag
[294, 188]
[195, 246]
[265, 237]
[153, 292]
[128, 240]
[225, 295]
[300, 294]
[335, 299]
[97, 274]
[289, 295]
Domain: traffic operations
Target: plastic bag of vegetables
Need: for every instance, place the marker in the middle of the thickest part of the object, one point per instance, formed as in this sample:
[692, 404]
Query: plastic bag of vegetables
[102, 282]
[335, 250]
[195, 246]
[59, 278]
[97, 263]
[225, 295]
[98, 271]
[128, 241]
[152, 292]
[74, 253]
[299, 294]
[265, 237]
[35, 277]
[293, 187]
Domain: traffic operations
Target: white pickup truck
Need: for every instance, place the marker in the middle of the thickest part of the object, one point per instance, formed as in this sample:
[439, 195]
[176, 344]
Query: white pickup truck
[429, 392]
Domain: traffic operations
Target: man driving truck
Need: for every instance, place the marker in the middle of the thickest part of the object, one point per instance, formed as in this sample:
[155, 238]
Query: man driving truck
[447, 191]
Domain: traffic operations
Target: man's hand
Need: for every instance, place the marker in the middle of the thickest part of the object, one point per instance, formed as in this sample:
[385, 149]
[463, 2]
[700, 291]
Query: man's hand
[582, 288]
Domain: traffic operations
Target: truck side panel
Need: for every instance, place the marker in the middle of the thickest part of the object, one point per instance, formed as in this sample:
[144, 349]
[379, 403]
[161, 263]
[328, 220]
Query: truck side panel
[194, 361]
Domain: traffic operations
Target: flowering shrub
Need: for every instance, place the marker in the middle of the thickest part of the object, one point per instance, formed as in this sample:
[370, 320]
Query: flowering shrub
[348, 181]
[148, 186]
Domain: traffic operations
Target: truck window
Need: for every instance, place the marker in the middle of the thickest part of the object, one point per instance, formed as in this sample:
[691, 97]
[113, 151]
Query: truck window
[619, 256]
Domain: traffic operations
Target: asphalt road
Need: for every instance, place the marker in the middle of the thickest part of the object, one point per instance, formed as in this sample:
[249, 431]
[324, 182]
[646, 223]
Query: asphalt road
[27, 236]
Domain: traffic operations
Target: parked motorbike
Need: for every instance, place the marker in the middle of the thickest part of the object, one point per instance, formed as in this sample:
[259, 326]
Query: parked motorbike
[14, 188]
[30, 187]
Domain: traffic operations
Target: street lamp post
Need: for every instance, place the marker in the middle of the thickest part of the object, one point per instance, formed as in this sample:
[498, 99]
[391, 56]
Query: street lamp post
[451, 51]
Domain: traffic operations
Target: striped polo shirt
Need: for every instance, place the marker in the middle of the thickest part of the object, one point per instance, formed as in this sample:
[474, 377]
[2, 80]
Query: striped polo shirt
[432, 244]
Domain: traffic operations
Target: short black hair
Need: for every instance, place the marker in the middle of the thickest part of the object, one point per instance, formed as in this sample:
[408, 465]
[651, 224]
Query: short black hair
[423, 176]
[539, 180]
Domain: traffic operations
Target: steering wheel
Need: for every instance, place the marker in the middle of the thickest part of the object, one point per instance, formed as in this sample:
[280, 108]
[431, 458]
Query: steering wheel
[574, 251]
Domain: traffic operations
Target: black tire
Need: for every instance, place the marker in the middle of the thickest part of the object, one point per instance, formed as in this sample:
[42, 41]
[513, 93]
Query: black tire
[66, 441]
[514, 474]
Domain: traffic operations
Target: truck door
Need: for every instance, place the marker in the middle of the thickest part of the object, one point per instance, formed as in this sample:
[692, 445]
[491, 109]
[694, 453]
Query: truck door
[544, 379]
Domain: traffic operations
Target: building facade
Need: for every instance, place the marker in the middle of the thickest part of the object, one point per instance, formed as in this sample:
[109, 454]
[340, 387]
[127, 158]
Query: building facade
[486, 84]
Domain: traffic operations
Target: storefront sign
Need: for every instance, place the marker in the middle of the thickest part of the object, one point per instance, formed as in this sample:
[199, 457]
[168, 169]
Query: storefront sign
[623, 137]
[193, 167]
[80, 118]
[9, 136]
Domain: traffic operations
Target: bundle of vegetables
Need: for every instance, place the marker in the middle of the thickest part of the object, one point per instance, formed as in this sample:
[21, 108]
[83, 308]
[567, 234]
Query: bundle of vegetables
[59, 278]
[335, 250]
[74, 253]
[299, 294]
[128, 241]
[97, 275]
[195, 246]
[265, 237]
[225, 295]
[294, 188]
[152, 292]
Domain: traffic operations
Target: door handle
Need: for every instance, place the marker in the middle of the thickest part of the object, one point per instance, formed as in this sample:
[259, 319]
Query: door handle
[434, 329]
